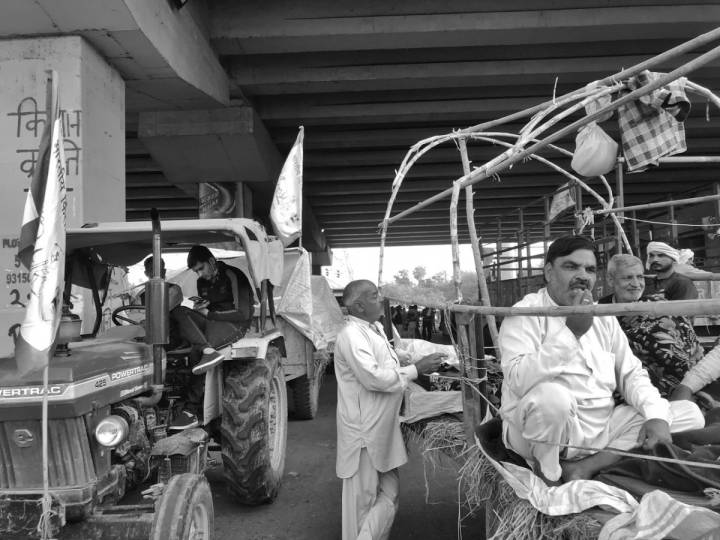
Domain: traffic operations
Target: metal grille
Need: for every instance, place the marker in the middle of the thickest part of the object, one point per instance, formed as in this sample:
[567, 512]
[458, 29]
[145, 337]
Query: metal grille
[70, 460]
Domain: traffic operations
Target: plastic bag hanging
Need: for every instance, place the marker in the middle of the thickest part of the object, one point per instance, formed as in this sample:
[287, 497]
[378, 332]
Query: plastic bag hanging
[595, 151]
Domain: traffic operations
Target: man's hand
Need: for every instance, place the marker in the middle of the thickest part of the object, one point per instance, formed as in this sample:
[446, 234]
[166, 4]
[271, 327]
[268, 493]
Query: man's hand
[429, 364]
[200, 304]
[652, 432]
[681, 393]
[579, 324]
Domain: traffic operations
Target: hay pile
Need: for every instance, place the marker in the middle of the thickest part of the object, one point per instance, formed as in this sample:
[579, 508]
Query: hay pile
[481, 488]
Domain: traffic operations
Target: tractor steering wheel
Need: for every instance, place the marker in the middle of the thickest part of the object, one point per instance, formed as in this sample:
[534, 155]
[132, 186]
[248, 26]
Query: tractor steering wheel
[121, 320]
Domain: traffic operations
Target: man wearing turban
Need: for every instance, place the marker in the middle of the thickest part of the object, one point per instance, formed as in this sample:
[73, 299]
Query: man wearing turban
[661, 259]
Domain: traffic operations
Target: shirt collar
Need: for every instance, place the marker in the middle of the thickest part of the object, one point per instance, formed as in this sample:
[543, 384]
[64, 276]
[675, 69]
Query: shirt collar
[548, 298]
[361, 322]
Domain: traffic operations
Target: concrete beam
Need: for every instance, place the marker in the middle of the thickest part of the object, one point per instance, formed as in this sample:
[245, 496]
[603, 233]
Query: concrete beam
[219, 145]
[331, 138]
[162, 53]
[179, 40]
[290, 77]
[310, 113]
[327, 25]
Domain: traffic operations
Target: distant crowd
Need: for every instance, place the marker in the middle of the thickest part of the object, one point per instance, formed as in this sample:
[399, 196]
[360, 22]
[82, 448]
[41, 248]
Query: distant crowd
[413, 323]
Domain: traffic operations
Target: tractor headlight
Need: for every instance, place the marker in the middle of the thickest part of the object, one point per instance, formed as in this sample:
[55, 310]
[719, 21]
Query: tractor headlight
[111, 431]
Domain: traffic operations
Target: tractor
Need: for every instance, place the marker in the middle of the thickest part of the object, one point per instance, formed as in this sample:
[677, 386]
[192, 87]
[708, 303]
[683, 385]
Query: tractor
[114, 470]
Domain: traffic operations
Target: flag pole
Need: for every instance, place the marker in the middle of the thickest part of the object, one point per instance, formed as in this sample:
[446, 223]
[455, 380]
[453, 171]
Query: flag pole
[300, 203]
[44, 525]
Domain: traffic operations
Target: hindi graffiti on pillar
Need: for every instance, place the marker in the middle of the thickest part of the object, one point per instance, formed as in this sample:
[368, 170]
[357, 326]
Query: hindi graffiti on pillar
[36, 120]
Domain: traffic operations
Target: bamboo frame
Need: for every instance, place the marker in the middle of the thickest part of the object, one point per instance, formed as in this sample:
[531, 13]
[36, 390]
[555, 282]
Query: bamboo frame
[527, 144]
[577, 99]
[484, 293]
[498, 165]
[457, 280]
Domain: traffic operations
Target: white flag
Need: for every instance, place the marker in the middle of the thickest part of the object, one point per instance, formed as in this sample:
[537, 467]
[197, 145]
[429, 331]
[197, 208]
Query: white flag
[42, 247]
[286, 209]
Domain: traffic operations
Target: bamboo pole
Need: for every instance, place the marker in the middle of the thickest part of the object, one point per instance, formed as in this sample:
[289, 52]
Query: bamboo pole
[457, 280]
[498, 249]
[487, 170]
[578, 210]
[660, 204]
[675, 308]
[518, 239]
[528, 255]
[702, 276]
[635, 232]
[476, 246]
[673, 224]
[683, 159]
[546, 225]
[469, 419]
[620, 193]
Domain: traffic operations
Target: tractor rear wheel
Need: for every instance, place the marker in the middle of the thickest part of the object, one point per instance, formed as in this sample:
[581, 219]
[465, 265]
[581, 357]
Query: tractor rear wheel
[254, 427]
[306, 392]
[185, 511]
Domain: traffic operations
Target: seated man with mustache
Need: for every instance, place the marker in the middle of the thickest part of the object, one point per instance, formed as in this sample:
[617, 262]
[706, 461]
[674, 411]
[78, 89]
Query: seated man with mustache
[560, 374]
[666, 345]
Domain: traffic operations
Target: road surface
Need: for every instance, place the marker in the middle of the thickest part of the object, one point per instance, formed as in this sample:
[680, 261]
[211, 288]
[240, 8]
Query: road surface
[308, 507]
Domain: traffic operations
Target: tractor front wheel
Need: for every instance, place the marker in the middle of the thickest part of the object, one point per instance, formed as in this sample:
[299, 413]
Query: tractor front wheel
[185, 511]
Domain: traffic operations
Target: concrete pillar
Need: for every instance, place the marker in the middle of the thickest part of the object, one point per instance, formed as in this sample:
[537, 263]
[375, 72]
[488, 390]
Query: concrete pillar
[92, 97]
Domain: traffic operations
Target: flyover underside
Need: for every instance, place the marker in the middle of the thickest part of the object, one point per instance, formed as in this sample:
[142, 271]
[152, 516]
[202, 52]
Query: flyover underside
[369, 81]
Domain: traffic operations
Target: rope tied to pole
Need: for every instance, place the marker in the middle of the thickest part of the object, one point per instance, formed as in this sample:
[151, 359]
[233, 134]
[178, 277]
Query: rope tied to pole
[587, 218]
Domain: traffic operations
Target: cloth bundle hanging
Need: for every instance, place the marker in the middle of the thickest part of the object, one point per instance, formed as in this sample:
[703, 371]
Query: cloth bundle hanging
[651, 126]
[595, 151]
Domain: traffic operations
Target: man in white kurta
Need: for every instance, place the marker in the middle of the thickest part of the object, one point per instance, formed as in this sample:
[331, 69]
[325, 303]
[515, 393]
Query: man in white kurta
[370, 446]
[560, 374]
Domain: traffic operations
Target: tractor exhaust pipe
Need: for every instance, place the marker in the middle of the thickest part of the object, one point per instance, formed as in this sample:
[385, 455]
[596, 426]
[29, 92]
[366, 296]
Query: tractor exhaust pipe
[157, 321]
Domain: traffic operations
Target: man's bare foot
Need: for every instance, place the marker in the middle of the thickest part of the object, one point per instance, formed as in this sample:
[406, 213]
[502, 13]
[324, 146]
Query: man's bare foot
[549, 483]
[538, 472]
[574, 470]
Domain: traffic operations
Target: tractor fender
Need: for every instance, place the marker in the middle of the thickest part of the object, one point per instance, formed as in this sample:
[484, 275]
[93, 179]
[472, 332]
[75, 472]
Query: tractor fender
[256, 347]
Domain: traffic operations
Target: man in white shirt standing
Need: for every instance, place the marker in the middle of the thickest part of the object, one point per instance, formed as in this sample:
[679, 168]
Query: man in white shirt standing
[560, 374]
[370, 447]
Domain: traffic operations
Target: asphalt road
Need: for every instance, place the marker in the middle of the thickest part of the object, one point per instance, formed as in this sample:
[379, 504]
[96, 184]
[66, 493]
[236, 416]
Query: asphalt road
[308, 507]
